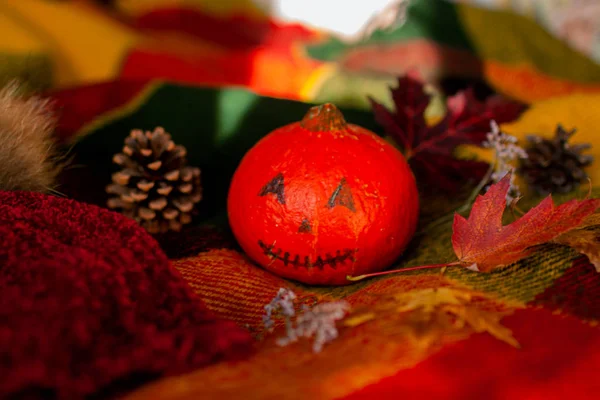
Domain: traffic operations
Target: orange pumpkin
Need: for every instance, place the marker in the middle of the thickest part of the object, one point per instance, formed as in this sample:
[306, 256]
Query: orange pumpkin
[321, 199]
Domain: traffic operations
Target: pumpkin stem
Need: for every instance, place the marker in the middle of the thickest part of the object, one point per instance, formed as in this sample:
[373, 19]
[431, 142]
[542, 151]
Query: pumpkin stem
[324, 118]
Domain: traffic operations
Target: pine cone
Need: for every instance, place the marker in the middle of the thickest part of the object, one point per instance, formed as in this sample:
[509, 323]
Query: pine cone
[155, 187]
[554, 166]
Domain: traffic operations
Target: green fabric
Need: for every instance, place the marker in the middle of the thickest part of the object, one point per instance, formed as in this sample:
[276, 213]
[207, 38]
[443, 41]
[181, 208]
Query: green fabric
[426, 19]
[507, 37]
[32, 71]
[217, 126]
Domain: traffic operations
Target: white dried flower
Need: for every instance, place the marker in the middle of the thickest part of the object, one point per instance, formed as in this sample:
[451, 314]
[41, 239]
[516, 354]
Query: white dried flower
[282, 303]
[506, 149]
[318, 322]
[504, 145]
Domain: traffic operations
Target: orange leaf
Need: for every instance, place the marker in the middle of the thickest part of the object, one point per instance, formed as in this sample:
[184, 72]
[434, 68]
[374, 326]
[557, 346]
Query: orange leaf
[482, 243]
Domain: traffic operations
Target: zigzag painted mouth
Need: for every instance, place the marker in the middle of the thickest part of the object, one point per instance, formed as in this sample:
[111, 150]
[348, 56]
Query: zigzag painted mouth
[298, 261]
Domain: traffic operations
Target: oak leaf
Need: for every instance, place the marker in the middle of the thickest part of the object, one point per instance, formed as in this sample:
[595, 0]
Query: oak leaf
[482, 243]
[430, 148]
[425, 315]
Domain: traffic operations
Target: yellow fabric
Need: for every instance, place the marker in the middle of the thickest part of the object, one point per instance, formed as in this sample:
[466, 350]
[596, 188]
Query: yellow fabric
[525, 83]
[574, 111]
[504, 41]
[86, 46]
[219, 7]
[17, 38]
[503, 36]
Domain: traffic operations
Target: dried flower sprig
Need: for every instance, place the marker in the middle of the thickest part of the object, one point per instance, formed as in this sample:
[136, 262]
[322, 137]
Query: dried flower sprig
[282, 304]
[506, 151]
[318, 322]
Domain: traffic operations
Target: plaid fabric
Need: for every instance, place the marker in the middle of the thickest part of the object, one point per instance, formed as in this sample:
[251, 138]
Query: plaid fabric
[555, 289]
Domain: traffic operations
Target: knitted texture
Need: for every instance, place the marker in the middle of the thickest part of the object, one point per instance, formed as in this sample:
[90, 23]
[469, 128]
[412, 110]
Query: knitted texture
[90, 304]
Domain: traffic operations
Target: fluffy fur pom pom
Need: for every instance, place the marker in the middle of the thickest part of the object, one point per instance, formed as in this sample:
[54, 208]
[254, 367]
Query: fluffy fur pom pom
[28, 157]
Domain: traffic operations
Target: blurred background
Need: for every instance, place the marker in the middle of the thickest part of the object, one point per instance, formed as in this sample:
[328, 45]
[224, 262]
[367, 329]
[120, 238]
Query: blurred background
[306, 50]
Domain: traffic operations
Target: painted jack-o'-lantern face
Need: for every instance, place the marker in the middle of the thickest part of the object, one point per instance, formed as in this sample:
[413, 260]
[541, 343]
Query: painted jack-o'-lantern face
[321, 199]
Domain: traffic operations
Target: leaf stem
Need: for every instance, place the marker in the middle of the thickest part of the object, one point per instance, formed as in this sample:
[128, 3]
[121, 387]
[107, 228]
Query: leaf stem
[393, 271]
[479, 188]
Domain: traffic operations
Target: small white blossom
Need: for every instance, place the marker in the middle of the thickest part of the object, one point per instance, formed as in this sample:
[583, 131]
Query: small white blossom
[505, 145]
[282, 303]
[318, 322]
[506, 149]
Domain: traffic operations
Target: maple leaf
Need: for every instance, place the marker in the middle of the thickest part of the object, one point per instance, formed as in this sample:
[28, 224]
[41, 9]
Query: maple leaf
[429, 149]
[482, 243]
[426, 315]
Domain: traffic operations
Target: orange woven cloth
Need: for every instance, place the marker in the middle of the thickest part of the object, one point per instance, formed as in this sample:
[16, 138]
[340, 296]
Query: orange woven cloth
[393, 355]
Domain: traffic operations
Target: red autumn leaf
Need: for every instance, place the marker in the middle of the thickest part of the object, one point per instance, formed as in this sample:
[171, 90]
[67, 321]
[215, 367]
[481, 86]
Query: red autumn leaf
[483, 243]
[430, 149]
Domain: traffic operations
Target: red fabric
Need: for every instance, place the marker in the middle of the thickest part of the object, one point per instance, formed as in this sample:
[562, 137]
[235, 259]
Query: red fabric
[559, 359]
[235, 33]
[207, 70]
[575, 292]
[238, 32]
[74, 107]
[90, 304]
[195, 48]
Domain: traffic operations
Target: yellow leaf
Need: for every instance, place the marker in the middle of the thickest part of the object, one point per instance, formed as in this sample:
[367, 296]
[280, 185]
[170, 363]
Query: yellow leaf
[585, 241]
[426, 315]
[481, 321]
[360, 319]
[429, 299]
[593, 219]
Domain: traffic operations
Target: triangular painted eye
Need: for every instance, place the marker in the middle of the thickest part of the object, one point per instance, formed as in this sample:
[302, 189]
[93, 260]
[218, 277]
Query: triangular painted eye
[342, 196]
[276, 187]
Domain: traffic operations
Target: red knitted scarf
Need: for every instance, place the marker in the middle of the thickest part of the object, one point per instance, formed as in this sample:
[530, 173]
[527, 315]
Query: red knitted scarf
[89, 304]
